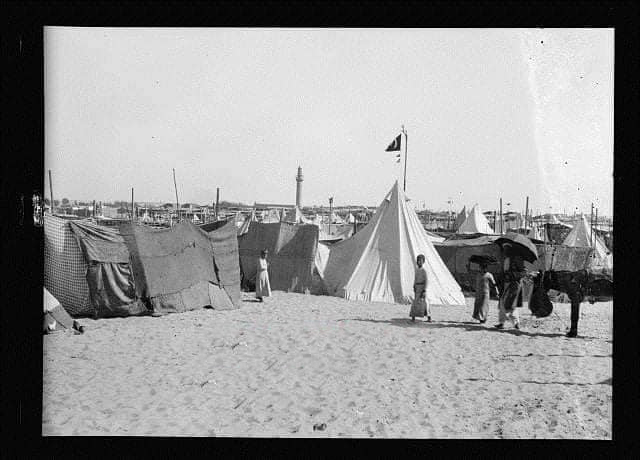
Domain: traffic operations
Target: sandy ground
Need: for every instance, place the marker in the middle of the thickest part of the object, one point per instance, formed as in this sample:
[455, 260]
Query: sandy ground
[363, 370]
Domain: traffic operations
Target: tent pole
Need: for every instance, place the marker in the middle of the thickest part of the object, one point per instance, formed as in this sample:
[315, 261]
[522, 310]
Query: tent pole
[176, 189]
[591, 234]
[404, 187]
[501, 220]
[217, 201]
[51, 192]
[526, 215]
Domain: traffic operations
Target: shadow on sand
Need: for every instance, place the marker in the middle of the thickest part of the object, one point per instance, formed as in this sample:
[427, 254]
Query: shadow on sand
[467, 326]
[569, 356]
[604, 382]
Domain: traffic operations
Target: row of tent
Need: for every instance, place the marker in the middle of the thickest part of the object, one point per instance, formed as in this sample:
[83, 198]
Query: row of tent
[133, 269]
[578, 235]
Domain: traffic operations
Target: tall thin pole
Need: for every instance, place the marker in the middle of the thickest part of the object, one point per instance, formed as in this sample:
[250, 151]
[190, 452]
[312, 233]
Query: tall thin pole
[51, 191]
[501, 225]
[526, 215]
[176, 189]
[330, 213]
[217, 201]
[596, 228]
[132, 206]
[591, 221]
[406, 141]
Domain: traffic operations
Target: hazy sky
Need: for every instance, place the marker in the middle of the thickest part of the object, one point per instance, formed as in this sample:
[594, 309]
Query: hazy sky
[489, 112]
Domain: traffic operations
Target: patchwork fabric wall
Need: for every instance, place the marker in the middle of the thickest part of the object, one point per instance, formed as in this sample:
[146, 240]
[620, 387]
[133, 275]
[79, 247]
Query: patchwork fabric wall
[65, 267]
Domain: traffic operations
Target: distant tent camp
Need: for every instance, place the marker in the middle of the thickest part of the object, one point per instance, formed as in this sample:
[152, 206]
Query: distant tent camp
[580, 236]
[292, 251]
[335, 219]
[244, 227]
[295, 216]
[462, 216]
[378, 262]
[271, 216]
[475, 222]
[335, 232]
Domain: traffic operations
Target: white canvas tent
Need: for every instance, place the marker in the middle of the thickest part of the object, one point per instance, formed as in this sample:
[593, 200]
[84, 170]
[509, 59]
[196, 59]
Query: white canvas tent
[475, 222]
[335, 219]
[378, 262]
[462, 216]
[580, 236]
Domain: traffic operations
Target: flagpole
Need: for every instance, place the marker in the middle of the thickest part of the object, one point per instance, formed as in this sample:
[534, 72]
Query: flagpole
[404, 187]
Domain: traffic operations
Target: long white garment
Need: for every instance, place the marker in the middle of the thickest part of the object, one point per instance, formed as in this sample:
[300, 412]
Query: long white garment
[263, 288]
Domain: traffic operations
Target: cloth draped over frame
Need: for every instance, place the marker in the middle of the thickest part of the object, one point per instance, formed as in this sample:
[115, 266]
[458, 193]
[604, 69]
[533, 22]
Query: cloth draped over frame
[109, 274]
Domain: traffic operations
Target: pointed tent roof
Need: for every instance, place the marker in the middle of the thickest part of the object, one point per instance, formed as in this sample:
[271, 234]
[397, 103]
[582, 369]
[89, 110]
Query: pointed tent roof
[378, 262]
[336, 219]
[475, 222]
[295, 216]
[462, 216]
[580, 236]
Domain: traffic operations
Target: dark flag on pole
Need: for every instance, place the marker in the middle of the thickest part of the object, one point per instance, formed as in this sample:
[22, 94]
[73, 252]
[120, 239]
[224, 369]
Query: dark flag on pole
[395, 145]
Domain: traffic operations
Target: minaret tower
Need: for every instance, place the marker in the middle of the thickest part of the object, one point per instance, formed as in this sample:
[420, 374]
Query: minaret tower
[299, 179]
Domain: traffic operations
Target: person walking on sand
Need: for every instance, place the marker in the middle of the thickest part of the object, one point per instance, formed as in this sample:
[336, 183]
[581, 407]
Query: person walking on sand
[484, 282]
[263, 288]
[511, 298]
[420, 306]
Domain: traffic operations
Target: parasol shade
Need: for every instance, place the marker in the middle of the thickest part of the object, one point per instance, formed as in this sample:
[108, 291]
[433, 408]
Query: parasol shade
[521, 245]
[479, 259]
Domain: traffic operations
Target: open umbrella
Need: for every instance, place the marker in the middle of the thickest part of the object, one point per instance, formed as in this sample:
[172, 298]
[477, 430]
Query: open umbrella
[520, 244]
